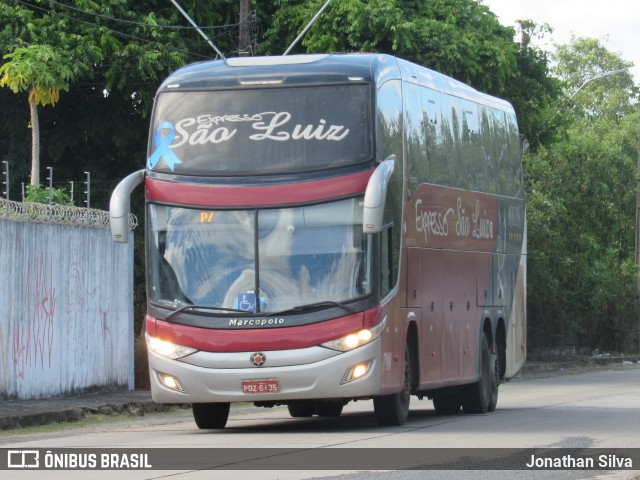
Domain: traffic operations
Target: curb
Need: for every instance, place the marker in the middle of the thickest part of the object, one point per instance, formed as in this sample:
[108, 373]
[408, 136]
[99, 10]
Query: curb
[41, 415]
[575, 364]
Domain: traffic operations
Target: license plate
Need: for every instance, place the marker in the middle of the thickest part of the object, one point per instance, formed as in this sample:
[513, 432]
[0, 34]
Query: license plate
[260, 386]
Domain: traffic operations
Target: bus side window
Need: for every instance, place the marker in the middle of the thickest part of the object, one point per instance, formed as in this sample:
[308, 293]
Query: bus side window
[387, 275]
[415, 117]
[389, 141]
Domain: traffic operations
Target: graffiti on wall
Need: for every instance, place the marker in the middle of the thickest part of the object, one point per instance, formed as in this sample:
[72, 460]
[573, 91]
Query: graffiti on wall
[33, 340]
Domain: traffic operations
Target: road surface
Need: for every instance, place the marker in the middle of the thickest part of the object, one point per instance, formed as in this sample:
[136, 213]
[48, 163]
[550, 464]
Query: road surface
[595, 409]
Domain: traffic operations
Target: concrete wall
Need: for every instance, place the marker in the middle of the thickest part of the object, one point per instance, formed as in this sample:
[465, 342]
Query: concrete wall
[66, 310]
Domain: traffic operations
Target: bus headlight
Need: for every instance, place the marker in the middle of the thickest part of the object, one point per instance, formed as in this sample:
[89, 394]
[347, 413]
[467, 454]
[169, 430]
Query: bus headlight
[356, 339]
[167, 349]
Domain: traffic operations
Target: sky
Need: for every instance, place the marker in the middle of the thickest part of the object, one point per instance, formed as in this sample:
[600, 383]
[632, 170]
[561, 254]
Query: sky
[616, 23]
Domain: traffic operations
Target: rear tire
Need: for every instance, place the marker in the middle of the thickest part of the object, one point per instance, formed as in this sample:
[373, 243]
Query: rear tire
[211, 415]
[300, 409]
[477, 396]
[495, 368]
[393, 410]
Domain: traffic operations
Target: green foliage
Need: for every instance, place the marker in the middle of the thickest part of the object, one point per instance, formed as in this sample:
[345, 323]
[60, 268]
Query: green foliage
[460, 38]
[586, 58]
[533, 91]
[40, 194]
[38, 69]
[581, 218]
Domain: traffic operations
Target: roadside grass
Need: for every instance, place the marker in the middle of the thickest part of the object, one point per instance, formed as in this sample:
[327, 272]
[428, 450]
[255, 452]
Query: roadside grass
[96, 420]
[91, 420]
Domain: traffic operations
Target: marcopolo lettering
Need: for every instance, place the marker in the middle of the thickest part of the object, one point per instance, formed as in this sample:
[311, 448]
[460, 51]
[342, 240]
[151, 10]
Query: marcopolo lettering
[255, 322]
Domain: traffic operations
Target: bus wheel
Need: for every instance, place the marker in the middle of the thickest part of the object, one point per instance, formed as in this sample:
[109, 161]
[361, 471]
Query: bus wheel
[303, 408]
[495, 368]
[477, 396]
[329, 409]
[447, 404]
[210, 415]
[393, 410]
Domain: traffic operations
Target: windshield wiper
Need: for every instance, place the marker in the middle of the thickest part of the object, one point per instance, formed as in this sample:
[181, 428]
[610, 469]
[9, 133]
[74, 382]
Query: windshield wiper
[184, 308]
[325, 303]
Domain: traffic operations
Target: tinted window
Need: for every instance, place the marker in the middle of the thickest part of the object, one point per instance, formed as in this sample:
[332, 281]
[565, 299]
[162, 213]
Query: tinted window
[260, 131]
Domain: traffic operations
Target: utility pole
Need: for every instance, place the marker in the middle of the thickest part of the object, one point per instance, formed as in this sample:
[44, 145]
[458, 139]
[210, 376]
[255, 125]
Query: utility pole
[244, 40]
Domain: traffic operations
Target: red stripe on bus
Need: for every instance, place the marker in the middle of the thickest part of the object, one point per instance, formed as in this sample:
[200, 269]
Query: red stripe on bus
[265, 195]
[259, 339]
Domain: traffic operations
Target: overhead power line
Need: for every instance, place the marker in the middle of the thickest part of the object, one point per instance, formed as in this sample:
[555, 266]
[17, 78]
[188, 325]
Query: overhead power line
[144, 24]
[190, 20]
[117, 32]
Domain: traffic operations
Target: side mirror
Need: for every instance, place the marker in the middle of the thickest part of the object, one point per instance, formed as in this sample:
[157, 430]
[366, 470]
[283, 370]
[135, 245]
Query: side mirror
[375, 196]
[119, 206]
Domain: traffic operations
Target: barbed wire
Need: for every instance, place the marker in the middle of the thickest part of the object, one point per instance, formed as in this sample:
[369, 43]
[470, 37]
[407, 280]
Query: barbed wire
[59, 214]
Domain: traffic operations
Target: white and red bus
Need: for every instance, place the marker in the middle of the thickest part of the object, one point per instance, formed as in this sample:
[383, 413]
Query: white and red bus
[328, 228]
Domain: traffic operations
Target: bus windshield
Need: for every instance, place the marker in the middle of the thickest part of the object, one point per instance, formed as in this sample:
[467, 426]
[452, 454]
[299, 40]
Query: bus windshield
[264, 260]
[261, 131]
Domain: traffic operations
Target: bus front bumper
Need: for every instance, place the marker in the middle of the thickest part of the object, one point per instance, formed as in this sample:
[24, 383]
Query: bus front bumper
[309, 373]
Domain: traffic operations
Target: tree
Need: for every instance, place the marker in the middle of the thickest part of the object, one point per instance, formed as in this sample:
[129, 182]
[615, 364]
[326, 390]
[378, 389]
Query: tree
[586, 58]
[581, 188]
[120, 51]
[460, 38]
[42, 72]
[533, 91]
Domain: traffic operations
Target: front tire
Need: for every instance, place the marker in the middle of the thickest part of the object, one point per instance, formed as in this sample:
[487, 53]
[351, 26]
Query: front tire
[211, 415]
[393, 410]
[301, 409]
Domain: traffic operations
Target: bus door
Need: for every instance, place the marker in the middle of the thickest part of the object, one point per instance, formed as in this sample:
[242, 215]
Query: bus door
[425, 290]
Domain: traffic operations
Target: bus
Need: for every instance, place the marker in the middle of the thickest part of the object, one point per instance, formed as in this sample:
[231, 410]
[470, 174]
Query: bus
[330, 228]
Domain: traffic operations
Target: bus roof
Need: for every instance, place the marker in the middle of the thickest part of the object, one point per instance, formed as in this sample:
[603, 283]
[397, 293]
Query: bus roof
[297, 70]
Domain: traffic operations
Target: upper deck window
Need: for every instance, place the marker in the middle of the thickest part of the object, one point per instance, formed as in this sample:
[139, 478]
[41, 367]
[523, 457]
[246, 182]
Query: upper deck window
[261, 131]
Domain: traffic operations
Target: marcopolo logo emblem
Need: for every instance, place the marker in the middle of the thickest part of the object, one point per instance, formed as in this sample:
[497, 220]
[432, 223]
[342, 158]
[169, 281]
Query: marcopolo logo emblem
[258, 359]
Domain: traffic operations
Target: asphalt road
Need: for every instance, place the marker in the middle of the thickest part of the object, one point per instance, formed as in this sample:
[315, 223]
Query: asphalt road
[595, 409]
